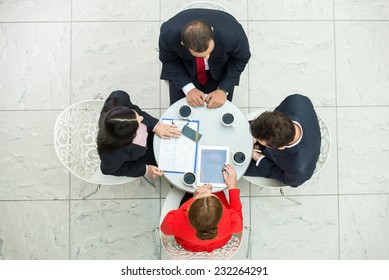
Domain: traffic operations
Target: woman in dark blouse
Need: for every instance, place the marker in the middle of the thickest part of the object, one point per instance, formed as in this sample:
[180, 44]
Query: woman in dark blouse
[125, 138]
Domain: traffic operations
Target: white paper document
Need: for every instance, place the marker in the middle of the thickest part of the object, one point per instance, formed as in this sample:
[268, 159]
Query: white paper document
[178, 155]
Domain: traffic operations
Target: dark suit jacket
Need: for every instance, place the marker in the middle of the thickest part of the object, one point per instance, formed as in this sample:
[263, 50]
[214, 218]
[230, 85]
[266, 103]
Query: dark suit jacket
[227, 60]
[130, 160]
[293, 166]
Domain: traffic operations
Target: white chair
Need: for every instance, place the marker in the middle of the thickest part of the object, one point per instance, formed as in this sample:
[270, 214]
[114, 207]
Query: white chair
[204, 5]
[175, 251]
[75, 135]
[325, 148]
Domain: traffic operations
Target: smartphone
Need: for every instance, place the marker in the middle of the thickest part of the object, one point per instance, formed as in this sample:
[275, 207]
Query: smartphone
[191, 133]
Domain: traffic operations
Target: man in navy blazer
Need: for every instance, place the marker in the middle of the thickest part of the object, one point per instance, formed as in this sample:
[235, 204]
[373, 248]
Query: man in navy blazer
[217, 38]
[289, 141]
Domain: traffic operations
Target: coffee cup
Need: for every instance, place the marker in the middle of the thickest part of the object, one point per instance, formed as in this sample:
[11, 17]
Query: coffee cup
[238, 157]
[184, 111]
[228, 119]
[189, 179]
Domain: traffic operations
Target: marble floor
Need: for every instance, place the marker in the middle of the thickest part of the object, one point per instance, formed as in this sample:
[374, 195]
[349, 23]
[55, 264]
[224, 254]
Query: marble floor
[55, 53]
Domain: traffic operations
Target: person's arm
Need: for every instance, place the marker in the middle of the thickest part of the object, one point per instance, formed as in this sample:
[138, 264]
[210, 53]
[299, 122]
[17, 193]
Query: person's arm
[171, 62]
[238, 59]
[235, 205]
[167, 223]
[268, 169]
[230, 178]
[122, 168]
[122, 97]
[236, 213]
[148, 120]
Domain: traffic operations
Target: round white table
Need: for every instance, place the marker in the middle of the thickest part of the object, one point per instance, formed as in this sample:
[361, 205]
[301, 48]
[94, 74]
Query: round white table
[214, 133]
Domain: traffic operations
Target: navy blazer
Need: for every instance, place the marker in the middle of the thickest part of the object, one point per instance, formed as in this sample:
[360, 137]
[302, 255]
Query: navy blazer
[227, 60]
[130, 160]
[293, 166]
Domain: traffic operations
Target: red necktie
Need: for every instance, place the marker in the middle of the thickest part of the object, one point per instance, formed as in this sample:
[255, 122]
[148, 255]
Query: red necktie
[201, 73]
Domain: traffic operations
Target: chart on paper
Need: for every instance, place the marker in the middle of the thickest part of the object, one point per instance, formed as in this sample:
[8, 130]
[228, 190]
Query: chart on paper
[178, 155]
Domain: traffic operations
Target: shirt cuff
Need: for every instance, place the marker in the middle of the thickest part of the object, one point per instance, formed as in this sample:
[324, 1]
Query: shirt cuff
[225, 92]
[147, 169]
[259, 160]
[188, 88]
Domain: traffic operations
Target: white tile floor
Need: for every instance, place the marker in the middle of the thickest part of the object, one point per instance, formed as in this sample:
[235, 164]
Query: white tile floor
[54, 53]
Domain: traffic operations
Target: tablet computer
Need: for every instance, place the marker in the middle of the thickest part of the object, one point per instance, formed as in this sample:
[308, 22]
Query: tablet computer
[211, 160]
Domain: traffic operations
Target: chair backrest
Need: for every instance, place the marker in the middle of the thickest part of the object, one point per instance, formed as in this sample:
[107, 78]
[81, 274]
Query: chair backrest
[176, 252]
[325, 145]
[204, 5]
[75, 135]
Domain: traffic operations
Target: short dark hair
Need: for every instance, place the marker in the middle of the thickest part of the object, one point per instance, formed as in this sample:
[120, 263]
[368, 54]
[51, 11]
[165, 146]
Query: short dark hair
[275, 128]
[204, 215]
[117, 128]
[196, 35]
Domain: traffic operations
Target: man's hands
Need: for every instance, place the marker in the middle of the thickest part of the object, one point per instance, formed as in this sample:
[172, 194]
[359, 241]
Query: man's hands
[215, 99]
[257, 152]
[167, 131]
[195, 98]
[256, 155]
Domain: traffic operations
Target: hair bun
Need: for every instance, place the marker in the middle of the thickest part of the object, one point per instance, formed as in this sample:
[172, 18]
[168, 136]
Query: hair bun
[208, 234]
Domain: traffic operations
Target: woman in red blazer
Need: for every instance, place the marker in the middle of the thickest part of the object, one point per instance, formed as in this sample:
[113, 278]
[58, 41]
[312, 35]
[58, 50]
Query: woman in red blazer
[207, 221]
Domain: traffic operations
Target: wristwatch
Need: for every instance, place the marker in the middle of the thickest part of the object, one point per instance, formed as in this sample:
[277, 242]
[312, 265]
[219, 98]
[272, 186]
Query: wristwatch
[226, 92]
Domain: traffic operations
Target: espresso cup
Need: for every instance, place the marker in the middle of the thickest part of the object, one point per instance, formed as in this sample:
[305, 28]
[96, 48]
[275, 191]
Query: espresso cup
[228, 119]
[184, 111]
[238, 157]
[189, 178]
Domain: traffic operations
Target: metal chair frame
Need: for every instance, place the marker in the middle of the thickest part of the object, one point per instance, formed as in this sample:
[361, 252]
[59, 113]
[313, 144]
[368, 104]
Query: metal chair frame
[75, 135]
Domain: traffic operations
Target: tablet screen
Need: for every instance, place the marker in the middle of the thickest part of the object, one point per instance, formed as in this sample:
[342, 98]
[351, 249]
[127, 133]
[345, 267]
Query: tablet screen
[212, 160]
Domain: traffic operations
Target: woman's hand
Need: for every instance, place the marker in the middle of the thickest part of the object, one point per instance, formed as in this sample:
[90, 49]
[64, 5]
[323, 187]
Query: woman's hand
[202, 190]
[167, 131]
[154, 172]
[230, 177]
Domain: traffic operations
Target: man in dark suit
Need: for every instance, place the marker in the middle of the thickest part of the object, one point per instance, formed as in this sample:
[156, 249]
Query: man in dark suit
[289, 142]
[202, 51]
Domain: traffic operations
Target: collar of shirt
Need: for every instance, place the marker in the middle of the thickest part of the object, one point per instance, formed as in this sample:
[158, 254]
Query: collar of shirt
[141, 136]
[206, 64]
[301, 136]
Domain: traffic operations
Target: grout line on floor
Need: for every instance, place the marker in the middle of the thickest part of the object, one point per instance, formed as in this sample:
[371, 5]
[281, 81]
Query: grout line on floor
[336, 124]
[70, 101]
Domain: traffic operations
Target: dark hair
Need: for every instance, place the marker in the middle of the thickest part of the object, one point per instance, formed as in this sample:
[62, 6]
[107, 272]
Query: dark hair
[117, 128]
[204, 215]
[275, 128]
[196, 35]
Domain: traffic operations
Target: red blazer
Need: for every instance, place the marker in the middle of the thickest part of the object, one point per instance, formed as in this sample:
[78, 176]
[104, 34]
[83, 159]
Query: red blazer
[177, 223]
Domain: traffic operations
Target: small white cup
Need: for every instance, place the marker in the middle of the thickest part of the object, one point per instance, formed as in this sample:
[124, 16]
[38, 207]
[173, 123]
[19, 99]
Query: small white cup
[238, 157]
[185, 111]
[228, 119]
[189, 179]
